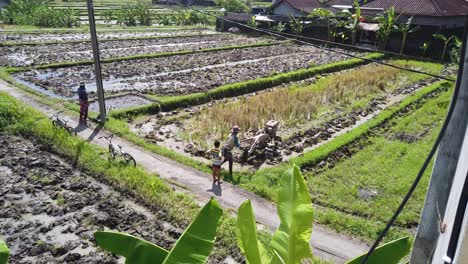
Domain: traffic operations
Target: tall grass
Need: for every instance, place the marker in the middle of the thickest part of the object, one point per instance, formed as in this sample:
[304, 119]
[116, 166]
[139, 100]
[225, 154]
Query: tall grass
[300, 104]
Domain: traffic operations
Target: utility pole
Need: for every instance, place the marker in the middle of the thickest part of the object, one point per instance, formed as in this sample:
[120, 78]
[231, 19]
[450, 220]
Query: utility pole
[97, 63]
[433, 239]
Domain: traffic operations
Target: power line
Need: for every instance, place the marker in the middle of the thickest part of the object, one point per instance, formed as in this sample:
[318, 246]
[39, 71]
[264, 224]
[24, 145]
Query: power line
[434, 147]
[279, 35]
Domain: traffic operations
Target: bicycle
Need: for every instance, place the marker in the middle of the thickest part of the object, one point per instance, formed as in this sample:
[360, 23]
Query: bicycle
[117, 150]
[57, 122]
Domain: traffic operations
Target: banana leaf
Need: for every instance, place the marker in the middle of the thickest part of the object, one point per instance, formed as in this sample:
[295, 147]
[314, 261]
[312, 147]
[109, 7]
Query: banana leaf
[390, 253]
[135, 250]
[290, 243]
[196, 243]
[253, 250]
[4, 253]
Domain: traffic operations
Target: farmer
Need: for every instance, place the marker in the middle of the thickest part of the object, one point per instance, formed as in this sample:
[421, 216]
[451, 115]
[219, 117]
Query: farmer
[83, 96]
[215, 154]
[232, 142]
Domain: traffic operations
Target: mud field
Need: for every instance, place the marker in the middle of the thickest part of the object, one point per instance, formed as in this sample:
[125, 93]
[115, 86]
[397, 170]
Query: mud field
[121, 102]
[26, 55]
[184, 74]
[49, 211]
[172, 129]
[58, 37]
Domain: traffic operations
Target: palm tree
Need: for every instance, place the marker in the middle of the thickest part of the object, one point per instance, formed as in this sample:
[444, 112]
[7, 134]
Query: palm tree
[406, 29]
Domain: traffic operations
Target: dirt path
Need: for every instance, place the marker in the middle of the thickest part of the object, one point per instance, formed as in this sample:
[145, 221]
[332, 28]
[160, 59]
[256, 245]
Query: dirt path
[326, 243]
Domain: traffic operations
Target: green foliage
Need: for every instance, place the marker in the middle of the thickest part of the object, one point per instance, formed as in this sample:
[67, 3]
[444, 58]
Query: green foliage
[455, 50]
[135, 15]
[134, 250]
[4, 253]
[390, 253]
[387, 22]
[280, 27]
[424, 48]
[406, 29]
[253, 249]
[330, 19]
[297, 25]
[446, 42]
[237, 6]
[290, 243]
[194, 246]
[38, 13]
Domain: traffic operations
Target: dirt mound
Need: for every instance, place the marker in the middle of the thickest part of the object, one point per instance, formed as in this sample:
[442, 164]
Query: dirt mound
[49, 211]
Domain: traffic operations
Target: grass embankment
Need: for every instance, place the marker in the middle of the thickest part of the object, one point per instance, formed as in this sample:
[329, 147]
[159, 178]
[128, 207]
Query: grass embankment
[19, 119]
[387, 163]
[342, 91]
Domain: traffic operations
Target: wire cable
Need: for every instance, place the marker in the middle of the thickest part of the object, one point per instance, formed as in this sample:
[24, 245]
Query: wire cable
[431, 154]
[434, 147]
[278, 35]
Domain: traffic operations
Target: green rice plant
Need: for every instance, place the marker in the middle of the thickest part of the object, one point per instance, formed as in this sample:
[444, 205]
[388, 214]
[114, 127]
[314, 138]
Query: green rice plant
[194, 246]
[4, 253]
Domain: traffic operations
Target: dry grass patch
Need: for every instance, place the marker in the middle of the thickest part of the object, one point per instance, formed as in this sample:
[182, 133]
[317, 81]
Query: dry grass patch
[298, 104]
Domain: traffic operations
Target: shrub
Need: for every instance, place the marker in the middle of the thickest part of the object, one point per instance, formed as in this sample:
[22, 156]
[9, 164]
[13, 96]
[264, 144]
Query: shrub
[38, 13]
[139, 14]
[238, 6]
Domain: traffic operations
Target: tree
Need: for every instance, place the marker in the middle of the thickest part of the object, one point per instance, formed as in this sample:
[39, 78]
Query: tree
[446, 42]
[387, 22]
[406, 29]
[329, 18]
[353, 23]
[237, 6]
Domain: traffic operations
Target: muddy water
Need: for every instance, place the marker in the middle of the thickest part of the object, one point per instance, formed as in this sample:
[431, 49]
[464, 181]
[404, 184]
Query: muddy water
[44, 54]
[121, 102]
[49, 211]
[56, 37]
[185, 74]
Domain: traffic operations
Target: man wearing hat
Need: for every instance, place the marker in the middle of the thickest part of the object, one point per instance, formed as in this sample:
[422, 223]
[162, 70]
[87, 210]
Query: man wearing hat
[232, 142]
[83, 96]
